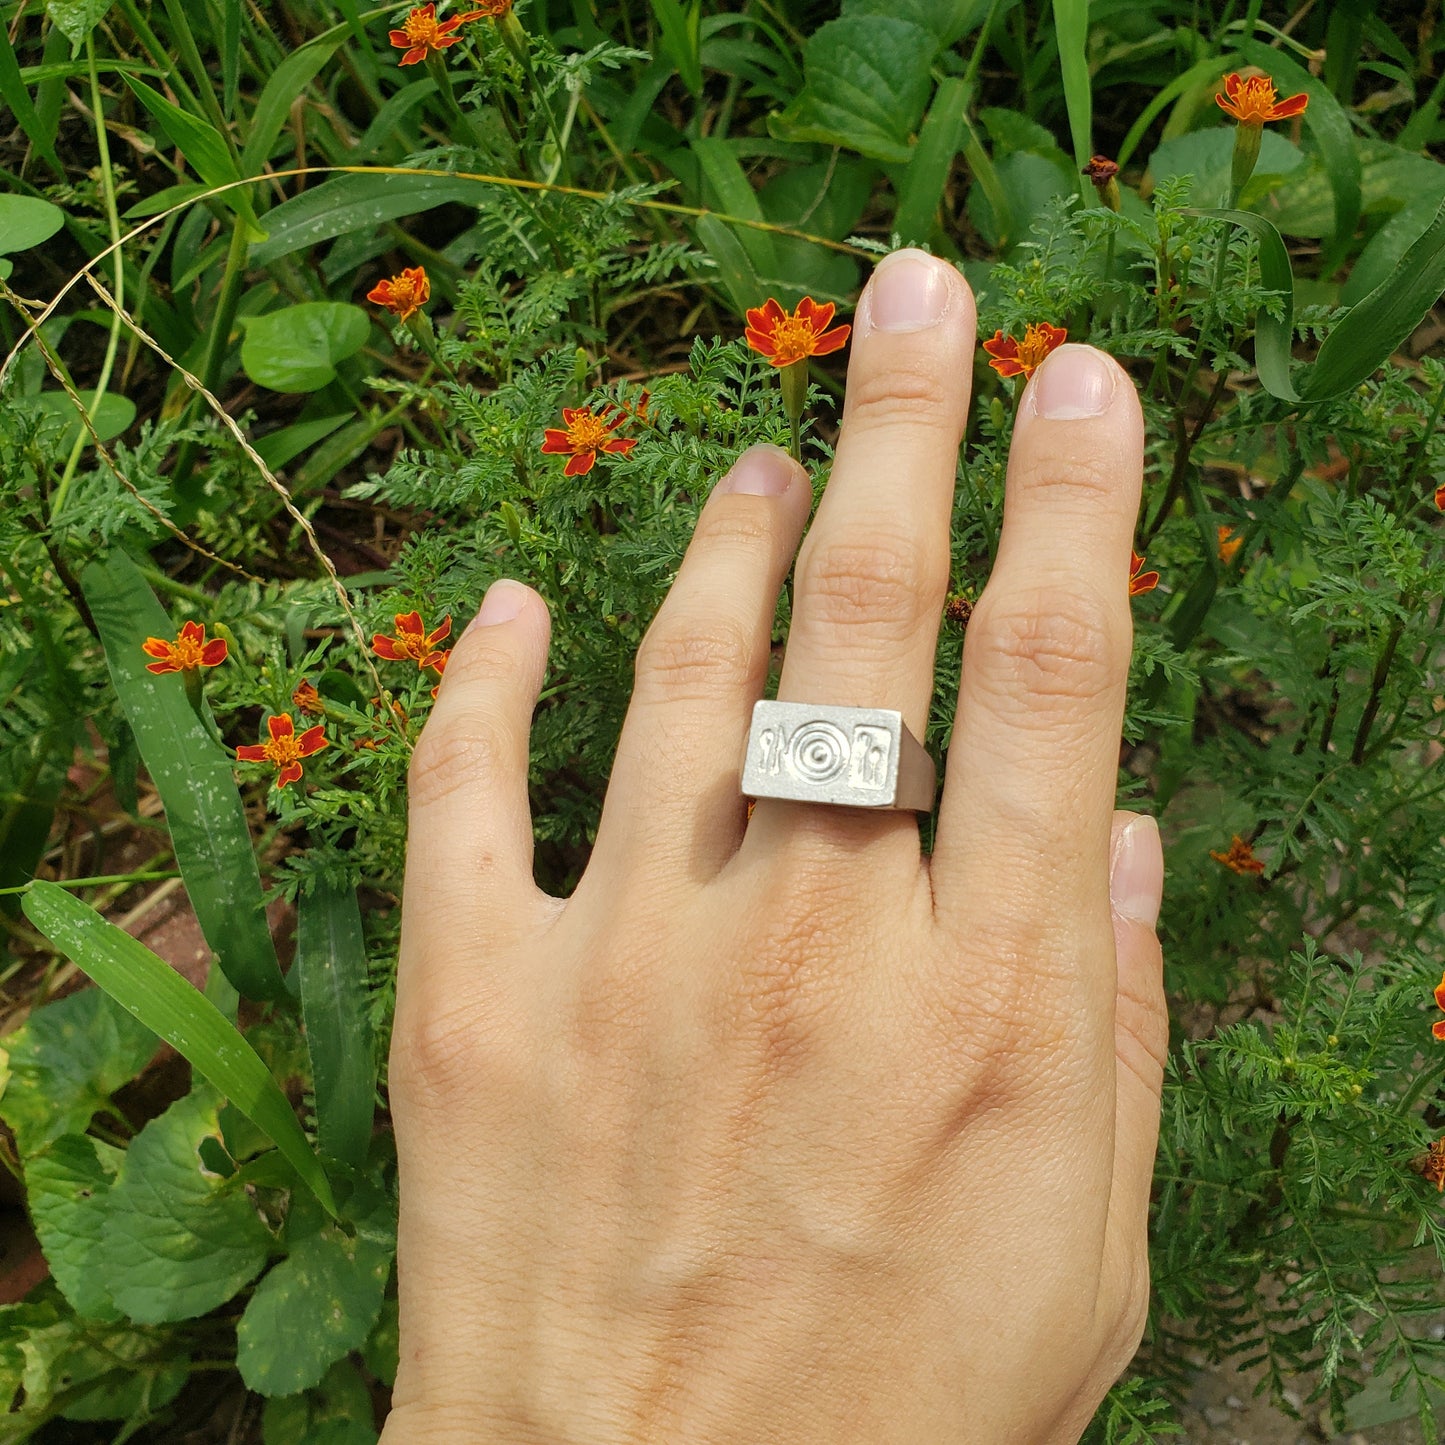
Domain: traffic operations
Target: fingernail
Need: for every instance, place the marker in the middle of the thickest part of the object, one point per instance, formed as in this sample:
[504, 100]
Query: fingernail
[1136, 875]
[504, 600]
[761, 471]
[909, 290]
[1073, 382]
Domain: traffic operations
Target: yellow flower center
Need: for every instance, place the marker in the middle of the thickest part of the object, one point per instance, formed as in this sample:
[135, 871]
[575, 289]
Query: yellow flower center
[586, 433]
[186, 653]
[403, 293]
[422, 29]
[793, 339]
[283, 750]
[1033, 348]
[1255, 100]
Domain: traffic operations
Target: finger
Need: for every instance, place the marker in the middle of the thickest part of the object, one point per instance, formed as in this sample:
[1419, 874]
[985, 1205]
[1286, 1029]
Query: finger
[673, 799]
[873, 570]
[1141, 1041]
[1030, 779]
[470, 849]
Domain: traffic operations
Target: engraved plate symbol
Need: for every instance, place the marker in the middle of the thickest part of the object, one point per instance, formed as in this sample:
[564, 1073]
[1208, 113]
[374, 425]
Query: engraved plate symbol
[870, 756]
[818, 752]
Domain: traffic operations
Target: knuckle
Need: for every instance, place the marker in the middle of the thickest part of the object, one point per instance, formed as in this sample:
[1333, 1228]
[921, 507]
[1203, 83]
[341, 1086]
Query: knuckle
[1069, 646]
[742, 528]
[901, 395]
[882, 584]
[455, 753]
[451, 1052]
[690, 660]
[1082, 477]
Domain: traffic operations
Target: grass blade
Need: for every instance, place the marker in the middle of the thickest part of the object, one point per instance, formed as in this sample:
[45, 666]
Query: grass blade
[15, 95]
[943, 134]
[1071, 29]
[734, 195]
[331, 958]
[194, 778]
[165, 1003]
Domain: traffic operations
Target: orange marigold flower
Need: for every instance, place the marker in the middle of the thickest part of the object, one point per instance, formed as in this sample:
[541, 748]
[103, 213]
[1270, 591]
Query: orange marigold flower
[412, 643]
[403, 294]
[1440, 497]
[492, 9]
[1229, 544]
[586, 435]
[1252, 101]
[1138, 583]
[1431, 1164]
[283, 749]
[1022, 358]
[785, 337]
[307, 699]
[438, 662]
[422, 32]
[189, 651]
[1240, 858]
[1438, 1027]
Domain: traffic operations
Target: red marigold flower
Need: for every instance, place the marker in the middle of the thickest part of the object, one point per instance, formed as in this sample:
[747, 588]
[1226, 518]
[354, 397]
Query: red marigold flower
[1229, 544]
[1252, 101]
[283, 749]
[1431, 1164]
[1015, 358]
[1240, 858]
[438, 662]
[412, 643]
[307, 699]
[422, 32]
[1440, 497]
[189, 651]
[1137, 583]
[785, 337]
[585, 436]
[492, 9]
[403, 294]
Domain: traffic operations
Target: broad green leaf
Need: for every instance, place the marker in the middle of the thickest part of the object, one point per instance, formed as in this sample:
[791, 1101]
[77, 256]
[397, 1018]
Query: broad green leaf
[185, 1018]
[110, 418]
[1031, 183]
[1389, 179]
[203, 147]
[317, 1304]
[65, 1063]
[66, 1189]
[1333, 133]
[1384, 249]
[382, 1349]
[336, 1412]
[77, 18]
[947, 21]
[297, 348]
[194, 777]
[728, 189]
[943, 135]
[26, 221]
[868, 80]
[287, 81]
[331, 957]
[351, 203]
[179, 1241]
[1207, 155]
[1071, 30]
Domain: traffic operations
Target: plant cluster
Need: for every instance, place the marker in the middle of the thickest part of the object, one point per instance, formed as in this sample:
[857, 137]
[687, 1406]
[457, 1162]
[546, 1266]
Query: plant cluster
[315, 327]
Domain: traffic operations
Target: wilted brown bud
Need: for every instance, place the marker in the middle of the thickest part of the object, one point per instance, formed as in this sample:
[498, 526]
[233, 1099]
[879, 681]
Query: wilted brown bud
[1102, 172]
[959, 608]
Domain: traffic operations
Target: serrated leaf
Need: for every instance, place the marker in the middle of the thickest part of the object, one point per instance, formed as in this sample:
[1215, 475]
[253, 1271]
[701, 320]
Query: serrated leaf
[66, 1189]
[187, 1020]
[297, 348]
[179, 1241]
[195, 779]
[65, 1063]
[317, 1305]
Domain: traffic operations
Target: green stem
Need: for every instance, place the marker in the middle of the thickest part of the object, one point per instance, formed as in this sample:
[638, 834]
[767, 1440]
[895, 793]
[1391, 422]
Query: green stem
[100, 880]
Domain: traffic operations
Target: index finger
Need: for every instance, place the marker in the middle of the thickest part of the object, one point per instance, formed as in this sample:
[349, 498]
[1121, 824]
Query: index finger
[1032, 767]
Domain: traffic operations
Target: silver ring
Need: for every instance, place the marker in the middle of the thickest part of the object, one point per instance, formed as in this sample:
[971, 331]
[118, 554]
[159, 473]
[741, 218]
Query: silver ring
[856, 757]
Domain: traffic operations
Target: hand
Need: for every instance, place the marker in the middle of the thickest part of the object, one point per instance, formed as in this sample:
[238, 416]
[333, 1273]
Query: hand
[780, 1131]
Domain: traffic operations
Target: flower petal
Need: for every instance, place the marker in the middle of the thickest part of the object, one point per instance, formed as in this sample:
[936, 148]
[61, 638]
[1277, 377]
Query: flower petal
[312, 741]
[157, 647]
[620, 444]
[251, 753]
[413, 56]
[444, 629]
[192, 631]
[1440, 993]
[166, 666]
[556, 441]
[1284, 109]
[579, 464]
[399, 38]
[386, 647]
[409, 622]
[214, 652]
[762, 341]
[1438, 1028]
[291, 773]
[834, 340]
[279, 725]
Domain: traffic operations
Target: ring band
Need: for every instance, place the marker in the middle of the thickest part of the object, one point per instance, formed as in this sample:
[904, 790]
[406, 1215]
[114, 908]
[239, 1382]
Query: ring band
[857, 757]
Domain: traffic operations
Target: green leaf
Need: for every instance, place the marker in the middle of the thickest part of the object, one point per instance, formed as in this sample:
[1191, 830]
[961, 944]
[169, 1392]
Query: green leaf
[317, 1304]
[179, 1240]
[336, 1412]
[735, 270]
[17, 97]
[77, 18]
[287, 81]
[1208, 154]
[331, 958]
[67, 1185]
[110, 418]
[65, 1063]
[944, 134]
[680, 39]
[1071, 29]
[382, 1348]
[728, 189]
[185, 1018]
[193, 776]
[353, 203]
[868, 80]
[26, 221]
[202, 145]
[297, 348]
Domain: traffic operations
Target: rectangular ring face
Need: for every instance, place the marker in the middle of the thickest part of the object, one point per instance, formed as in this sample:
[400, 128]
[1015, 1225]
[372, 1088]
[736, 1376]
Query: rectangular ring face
[819, 754]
